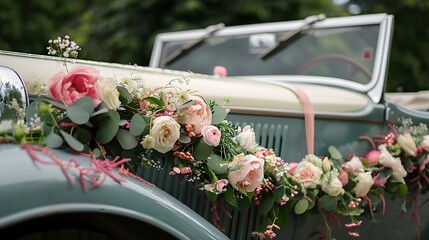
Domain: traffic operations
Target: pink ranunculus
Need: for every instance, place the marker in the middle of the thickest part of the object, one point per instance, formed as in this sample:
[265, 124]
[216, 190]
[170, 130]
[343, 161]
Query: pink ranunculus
[211, 135]
[250, 174]
[79, 82]
[220, 71]
[199, 115]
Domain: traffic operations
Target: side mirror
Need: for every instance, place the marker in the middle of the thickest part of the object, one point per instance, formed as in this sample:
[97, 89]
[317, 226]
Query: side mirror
[13, 94]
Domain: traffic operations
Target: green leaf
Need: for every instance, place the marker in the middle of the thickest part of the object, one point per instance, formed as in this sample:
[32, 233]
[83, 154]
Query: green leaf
[328, 203]
[83, 136]
[100, 111]
[96, 152]
[154, 101]
[186, 104]
[301, 206]
[137, 125]
[211, 196]
[278, 193]
[230, 197]
[219, 114]
[215, 163]
[266, 204]
[124, 96]
[53, 140]
[86, 103]
[126, 139]
[51, 101]
[202, 150]
[108, 126]
[244, 203]
[72, 142]
[335, 154]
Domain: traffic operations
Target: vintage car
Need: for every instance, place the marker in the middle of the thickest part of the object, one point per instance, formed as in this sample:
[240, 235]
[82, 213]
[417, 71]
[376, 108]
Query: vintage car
[302, 85]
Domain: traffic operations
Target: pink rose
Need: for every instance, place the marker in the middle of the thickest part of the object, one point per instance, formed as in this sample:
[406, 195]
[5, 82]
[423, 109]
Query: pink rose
[211, 135]
[79, 82]
[372, 157]
[198, 115]
[250, 174]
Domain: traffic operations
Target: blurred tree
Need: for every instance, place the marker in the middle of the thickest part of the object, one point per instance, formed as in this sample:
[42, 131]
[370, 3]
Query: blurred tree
[27, 25]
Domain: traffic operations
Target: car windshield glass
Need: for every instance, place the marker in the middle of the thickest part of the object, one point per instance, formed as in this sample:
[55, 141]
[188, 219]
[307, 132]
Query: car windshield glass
[343, 52]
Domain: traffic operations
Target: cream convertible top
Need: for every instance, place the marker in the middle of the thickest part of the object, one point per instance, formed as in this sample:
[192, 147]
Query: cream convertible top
[242, 93]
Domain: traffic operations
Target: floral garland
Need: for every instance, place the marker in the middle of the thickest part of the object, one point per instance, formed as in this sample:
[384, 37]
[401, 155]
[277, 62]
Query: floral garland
[107, 118]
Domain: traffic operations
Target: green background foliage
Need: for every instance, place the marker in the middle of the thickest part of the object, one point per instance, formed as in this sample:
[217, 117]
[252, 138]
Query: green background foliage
[124, 31]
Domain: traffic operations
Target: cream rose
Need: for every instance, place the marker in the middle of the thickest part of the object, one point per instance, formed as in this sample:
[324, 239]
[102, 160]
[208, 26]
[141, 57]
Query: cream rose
[198, 115]
[364, 183]
[331, 184]
[387, 160]
[246, 138]
[425, 142]
[307, 174]
[211, 135]
[407, 143]
[108, 93]
[250, 174]
[326, 165]
[165, 132]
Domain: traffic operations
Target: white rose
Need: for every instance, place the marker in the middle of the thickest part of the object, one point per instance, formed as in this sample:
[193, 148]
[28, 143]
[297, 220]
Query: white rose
[408, 145]
[108, 93]
[246, 138]
[326, 165]
[364, 183]
[166, 132]
[386, 159]
[425, 142]
[331, 184]
[307, 174]
[355, 164]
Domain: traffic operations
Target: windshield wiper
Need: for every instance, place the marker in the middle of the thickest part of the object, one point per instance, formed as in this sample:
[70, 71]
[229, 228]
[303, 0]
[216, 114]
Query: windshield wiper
[289, 35]
[210, 30]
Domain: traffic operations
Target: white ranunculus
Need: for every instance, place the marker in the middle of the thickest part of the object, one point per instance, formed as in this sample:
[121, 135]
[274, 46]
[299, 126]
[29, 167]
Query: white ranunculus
[165, 131]
[307, 174]
[108, 93]
[408, 145]
[364, 183]
[386, 159]
[246, 138]
[355, 164]
[331, 184]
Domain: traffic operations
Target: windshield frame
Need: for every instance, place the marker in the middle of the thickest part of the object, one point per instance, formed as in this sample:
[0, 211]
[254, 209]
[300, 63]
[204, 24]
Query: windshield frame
[374, 88]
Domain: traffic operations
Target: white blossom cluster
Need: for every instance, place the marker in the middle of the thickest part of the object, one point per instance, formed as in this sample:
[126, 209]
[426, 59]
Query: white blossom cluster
[63, 47]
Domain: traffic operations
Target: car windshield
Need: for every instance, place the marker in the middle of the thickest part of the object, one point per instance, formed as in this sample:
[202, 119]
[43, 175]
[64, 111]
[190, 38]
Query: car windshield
[341, 52]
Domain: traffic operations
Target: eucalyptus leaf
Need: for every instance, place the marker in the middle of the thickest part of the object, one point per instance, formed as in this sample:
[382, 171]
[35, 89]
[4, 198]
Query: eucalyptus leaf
[53, 140]
[278, 193]
[202, 150]
[78, 115]
[244, 203]
[215, 163]
[99, 111]
[124, 95]
[96, 152]
[335, 154]
[266, 205]
[85, 103]
[184, 138]
[51, 101]
[108, 126]
[186, 104]
[137, 125]
[126, 139]
[83, 135]
[301, 206]
[328, 203]
[72, 142]
[219, 114]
